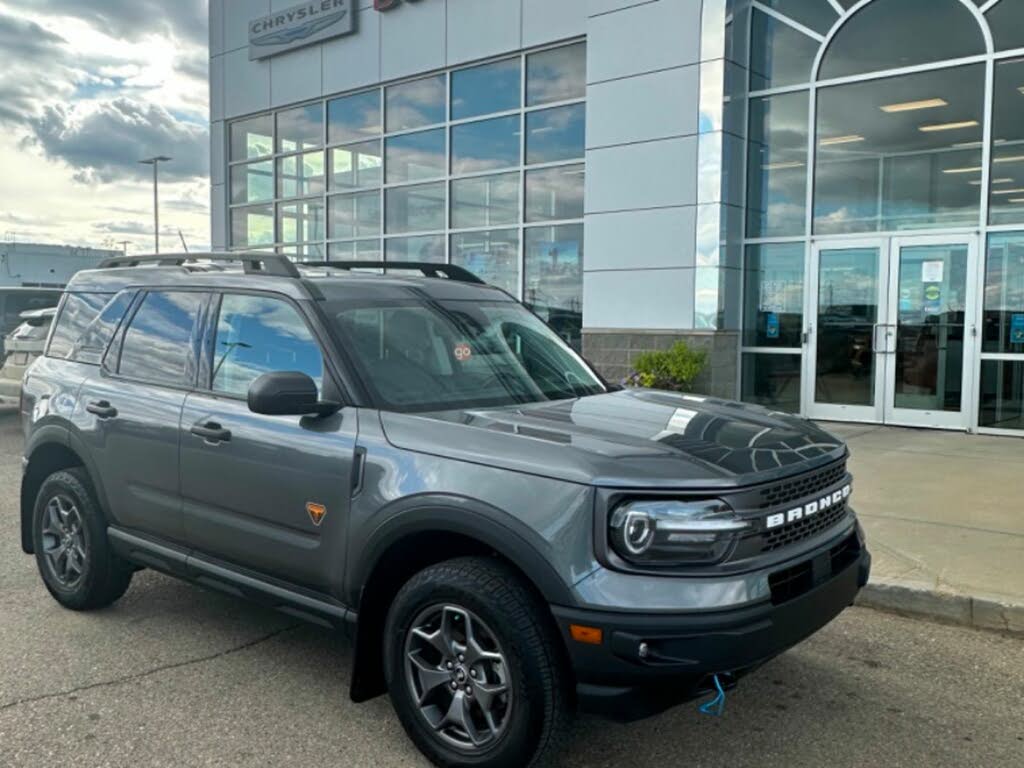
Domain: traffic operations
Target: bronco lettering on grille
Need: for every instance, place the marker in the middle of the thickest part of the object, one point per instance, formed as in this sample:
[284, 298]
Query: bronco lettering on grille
[808, 510]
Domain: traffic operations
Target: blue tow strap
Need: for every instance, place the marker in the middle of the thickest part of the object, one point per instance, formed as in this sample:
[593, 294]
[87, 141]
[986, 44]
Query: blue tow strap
[716, 706]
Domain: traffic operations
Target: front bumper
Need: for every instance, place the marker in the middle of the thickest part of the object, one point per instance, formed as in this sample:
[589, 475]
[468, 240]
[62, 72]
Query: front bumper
[647, 663]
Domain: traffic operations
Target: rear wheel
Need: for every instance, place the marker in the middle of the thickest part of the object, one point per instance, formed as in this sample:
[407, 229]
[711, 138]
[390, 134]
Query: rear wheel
[72, 551]
[473, 667]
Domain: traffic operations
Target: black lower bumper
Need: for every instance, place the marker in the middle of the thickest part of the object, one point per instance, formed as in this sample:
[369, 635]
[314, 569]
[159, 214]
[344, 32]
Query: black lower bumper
[648, 663]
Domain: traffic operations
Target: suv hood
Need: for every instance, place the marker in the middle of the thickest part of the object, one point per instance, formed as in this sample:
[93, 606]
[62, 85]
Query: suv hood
[626, 439]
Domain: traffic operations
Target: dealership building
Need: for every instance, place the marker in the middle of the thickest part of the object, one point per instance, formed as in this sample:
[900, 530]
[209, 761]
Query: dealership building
[825, 195]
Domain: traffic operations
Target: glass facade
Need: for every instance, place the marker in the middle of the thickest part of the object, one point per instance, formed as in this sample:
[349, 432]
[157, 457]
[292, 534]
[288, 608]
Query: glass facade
[482, 166]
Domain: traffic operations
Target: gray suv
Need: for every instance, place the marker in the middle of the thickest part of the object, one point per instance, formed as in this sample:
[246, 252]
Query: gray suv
[415, 458]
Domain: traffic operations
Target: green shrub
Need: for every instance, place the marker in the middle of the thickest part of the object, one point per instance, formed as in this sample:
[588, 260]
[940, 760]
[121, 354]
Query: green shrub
[675, 369]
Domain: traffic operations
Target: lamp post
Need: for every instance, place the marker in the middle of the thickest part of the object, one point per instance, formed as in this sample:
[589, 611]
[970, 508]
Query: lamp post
[155, 162]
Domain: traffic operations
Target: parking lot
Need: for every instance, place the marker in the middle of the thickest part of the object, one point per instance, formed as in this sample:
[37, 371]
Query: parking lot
[176, 675]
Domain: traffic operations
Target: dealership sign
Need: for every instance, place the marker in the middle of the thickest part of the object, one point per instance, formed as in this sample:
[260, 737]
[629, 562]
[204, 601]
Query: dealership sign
[305, 24]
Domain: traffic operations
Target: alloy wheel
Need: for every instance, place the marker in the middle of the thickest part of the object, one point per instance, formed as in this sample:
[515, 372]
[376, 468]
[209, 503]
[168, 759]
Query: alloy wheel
[64, 543]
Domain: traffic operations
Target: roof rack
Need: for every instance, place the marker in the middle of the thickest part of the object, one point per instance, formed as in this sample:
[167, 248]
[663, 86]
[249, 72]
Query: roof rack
[274, 264]
[427, 269]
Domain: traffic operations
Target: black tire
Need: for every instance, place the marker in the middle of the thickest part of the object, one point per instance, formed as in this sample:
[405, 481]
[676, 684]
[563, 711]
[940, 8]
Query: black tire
[103, 577]
[538, 712]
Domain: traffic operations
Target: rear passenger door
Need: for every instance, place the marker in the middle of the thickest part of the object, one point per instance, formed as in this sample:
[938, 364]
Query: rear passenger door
[129, 416]
[248, 489]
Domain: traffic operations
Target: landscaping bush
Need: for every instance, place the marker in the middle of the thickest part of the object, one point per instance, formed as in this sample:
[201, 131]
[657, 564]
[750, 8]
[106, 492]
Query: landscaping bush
[674, 369]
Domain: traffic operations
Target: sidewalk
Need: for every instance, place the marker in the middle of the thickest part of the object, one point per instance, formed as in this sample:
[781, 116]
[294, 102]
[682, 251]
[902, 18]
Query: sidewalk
[944, 516]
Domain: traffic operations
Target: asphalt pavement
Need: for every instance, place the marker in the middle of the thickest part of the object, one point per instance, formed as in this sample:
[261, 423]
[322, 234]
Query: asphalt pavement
[174, 675]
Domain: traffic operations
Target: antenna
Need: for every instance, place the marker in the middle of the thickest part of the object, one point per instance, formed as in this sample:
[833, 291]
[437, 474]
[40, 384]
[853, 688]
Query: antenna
[183, 243]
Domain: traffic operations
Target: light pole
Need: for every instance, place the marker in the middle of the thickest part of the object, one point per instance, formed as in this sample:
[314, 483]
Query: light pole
[155, 162]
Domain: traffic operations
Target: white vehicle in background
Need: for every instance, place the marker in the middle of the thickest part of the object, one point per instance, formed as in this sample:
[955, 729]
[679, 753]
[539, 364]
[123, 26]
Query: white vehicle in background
[23, 345]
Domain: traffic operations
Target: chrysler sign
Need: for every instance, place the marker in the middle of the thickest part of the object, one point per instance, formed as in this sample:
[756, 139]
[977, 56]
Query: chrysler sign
[305, 24]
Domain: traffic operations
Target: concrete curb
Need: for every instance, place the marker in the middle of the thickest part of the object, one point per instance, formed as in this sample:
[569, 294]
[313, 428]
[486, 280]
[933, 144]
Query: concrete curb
[992, 613]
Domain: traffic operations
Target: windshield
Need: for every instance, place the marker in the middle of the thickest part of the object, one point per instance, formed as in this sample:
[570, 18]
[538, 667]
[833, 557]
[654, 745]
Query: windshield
[439, 355]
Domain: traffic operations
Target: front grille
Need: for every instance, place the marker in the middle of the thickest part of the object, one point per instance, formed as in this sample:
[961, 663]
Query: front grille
[803, 528]
[800, 487]
[801, 578]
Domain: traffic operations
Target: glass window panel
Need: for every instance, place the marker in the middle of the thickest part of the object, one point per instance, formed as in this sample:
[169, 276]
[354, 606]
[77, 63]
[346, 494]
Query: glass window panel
[554, 278]
[252, 138]
[559, 74]
[485, 201]
[900, 153]
[492, 255]
[252, 182]
[304, 251]
[300, 175]
[818, 15]
[485, 145]
[1002, 394]
[555, 193]
[429, 248]
[415, 104]
[1006, 197]
[486, 89]
[772, 381]
[415, 209]
[159, 341]
[354, 117]
[1006, 19]
[774, 295]
[556, 134]
[1003, 326]
[357, 165]
[301, 222]
[355, 250]
[777, 166]
[355, 215]
[79, 312]
[252, 226]
[300, 128]
[415, 156]
[915, 32]
[779, 54]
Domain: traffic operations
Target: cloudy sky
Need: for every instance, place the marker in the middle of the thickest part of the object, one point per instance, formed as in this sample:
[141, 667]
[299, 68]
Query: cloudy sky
[87, 88]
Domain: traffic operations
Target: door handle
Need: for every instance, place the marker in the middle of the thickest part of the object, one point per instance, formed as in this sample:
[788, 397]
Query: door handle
[102, 409]
[211, 432]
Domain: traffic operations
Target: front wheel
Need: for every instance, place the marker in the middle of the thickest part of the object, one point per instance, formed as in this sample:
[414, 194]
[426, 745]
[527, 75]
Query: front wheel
[473, 667]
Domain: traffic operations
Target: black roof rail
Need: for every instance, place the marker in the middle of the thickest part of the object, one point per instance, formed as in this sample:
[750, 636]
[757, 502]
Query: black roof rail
[274, 264]
[426, 268]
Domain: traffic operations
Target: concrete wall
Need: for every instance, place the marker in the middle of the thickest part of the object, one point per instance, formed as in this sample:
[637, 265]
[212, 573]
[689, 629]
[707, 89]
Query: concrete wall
[31, 264]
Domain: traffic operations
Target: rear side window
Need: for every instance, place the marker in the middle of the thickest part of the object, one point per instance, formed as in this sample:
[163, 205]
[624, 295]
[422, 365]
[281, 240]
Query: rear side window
[159, 343]
[97, 335]
[79, 310]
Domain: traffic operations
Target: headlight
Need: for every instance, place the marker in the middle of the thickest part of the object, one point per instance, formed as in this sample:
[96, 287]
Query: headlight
[669, 532]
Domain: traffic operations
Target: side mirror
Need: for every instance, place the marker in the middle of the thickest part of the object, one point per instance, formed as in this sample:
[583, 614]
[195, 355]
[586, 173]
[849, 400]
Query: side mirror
[287, 393]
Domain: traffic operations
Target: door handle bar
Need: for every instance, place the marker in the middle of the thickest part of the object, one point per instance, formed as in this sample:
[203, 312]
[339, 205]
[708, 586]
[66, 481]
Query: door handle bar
[102, 409]
[211, 432]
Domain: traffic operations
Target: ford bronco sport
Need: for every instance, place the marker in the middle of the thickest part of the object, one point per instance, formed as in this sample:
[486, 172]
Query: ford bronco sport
[414, 457]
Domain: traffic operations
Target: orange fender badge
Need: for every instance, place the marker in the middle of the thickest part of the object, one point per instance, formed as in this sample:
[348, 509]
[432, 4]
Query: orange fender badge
[316, 512]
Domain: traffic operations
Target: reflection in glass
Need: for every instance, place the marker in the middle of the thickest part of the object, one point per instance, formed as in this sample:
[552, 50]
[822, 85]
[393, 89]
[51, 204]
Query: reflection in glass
[1003, 325]
[847, 314]
[556, 134]
[160, 337]
[252, 226]
[779, 54]
[355, 250]
[555, 193]
[301, 222]
[559, 74]
[429, 248]
[252, 182]
[300, 128]
[300, 175]
[484, 201]
[554, 278]
[818, 15]
[355, 215]
[485, 145]
[253, 137]
[1006, 199]
[900, 153]
[777, 165]
[357, 165]
[304, 251]
[1006, 20]
[415, 209]
[354, 117]
[930, 327]
[414, 156]
[771, 380]
[416, 104]
[491, 255]
[486, 89]
[1002, 394]
[889, 34]
[774, 295]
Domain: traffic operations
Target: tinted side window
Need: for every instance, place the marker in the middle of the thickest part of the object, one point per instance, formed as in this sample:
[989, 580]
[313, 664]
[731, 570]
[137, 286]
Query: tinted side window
[91, 345]
[257, 335]
[159, 342]
[79, 310]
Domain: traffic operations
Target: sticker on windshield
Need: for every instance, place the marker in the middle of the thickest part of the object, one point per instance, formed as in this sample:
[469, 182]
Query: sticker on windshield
[463, 352]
